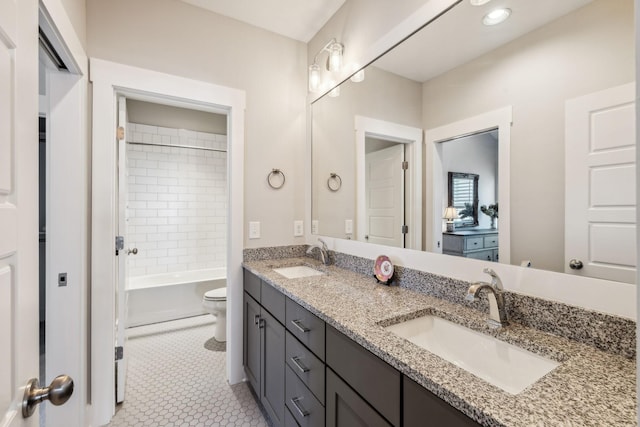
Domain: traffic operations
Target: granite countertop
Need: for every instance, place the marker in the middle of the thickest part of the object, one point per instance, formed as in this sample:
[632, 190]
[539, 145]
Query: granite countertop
[589, 388]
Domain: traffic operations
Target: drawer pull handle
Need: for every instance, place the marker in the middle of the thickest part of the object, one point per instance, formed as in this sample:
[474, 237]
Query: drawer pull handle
[296, 361]
[300, 326]
[256, 318]
[303, 412]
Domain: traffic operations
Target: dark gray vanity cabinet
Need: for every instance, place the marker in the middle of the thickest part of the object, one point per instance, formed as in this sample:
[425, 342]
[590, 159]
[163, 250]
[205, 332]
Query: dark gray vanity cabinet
[421, 408]
[308, 374]
[361, 386]
[264, 346]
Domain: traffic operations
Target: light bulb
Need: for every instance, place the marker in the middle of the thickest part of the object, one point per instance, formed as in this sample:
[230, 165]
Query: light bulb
[335, 57]
[496, 16]
[358, 77]
[314, 77]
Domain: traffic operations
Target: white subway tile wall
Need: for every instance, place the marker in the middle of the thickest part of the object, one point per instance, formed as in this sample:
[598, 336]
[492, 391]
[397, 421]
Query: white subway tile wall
[177, 201]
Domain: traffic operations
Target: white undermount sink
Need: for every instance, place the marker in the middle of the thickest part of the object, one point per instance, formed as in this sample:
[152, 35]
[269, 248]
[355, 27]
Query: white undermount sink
[504, 365]
[297, 271]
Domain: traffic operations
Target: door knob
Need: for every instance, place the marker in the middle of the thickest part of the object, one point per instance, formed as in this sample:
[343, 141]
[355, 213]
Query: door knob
[575, 264]
[132, 251]
[58, 392]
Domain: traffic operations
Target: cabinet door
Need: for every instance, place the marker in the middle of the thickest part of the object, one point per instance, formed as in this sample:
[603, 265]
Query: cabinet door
[345, 408]
[272, 373]
[424, 409]
[251, 348]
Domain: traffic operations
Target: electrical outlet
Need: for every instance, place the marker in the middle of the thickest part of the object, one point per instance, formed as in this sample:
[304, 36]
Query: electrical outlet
[314, 226]
[298, 228]
[348, 226]
[254, 230]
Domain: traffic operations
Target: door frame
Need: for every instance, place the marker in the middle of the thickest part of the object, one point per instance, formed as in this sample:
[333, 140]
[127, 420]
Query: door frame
[436, 195]
[110, 79]
[66, 107]
[412, 137]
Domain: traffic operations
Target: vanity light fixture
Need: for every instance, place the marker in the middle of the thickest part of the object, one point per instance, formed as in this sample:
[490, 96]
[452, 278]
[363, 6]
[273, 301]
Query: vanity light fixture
[334, 63]
[314, 77]
[450, 214]
[358, 76]
[496, 16]
[478, 2]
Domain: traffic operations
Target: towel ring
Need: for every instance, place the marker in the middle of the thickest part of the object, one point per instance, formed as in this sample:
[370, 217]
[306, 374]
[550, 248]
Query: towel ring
[334, 182]
[275, 172]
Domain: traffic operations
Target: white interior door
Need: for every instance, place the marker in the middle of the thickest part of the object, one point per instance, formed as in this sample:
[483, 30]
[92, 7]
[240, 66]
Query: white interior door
[123, 264]
[384, 188]
[18, 208]
[600, 213]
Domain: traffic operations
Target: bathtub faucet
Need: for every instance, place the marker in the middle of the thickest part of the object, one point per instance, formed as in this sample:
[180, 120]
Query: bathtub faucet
[324, 251]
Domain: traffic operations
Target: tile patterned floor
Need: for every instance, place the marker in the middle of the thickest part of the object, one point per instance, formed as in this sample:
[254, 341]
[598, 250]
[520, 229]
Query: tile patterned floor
[176, 377]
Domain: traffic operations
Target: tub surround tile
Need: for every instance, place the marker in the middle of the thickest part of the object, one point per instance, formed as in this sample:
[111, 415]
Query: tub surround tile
[590, 387]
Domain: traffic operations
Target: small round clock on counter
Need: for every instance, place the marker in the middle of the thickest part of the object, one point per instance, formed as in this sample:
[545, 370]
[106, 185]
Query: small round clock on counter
[383, 270]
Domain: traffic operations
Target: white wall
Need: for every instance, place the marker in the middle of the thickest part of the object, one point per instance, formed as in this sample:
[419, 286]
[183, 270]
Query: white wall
[536, 74]
[179, 39]
[76, 11]
[177, 201]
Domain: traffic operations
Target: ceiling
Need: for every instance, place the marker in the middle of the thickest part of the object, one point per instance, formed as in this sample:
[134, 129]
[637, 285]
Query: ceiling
[296, 19]
[459, 36]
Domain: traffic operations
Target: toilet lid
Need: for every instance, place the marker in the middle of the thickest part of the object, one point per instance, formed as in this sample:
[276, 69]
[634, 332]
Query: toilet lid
[219, 294]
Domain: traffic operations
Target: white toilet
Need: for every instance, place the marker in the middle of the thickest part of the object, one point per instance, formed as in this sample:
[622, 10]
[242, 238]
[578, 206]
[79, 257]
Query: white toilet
[215, 302]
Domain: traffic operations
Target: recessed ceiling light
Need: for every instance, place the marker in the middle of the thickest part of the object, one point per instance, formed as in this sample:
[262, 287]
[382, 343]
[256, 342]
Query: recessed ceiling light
[496, 16]
[478, 2]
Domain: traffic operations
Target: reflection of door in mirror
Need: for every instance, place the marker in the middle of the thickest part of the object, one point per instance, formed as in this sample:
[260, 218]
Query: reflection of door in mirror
[600, 196]
[474, 159]
[463, 196]
[384, 189]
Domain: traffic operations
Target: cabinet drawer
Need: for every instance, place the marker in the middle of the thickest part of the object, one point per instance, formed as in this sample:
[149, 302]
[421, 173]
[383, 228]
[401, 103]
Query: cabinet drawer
[306, 366]
[304, 407]
[472, 243]
[252, 284]
[289, 420]
[490, 242]
[305, 326]
[273, 300]
[483, 255]
[376, 381]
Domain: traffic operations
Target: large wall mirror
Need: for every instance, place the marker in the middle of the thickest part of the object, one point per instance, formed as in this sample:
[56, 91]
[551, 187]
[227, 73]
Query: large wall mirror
[561, 75]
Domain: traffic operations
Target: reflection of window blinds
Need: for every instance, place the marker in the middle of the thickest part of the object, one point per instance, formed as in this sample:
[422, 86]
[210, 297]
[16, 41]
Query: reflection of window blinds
[462, 192]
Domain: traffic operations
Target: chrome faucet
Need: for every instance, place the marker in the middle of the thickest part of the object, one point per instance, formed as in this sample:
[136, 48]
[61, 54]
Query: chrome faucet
[497, 312]
[324, 251]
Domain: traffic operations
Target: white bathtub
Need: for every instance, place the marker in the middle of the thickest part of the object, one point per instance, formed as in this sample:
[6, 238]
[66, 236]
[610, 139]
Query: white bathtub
[161, 297]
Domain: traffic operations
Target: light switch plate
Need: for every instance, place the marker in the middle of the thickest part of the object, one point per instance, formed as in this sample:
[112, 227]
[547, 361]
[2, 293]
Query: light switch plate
[348, 226]
[298, 228]
[314, 226]
[254, 230]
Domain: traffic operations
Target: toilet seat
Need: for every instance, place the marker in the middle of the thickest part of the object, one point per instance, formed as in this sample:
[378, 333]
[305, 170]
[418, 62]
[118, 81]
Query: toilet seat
[219, 294]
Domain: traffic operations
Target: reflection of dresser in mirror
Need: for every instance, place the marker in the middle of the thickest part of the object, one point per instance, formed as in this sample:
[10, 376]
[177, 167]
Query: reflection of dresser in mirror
[478, 244]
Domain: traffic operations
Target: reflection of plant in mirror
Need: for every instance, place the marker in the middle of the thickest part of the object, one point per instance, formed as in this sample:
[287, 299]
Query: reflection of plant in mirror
[467, 212]
[491, 211]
